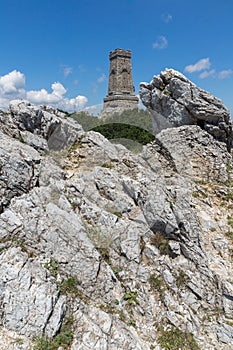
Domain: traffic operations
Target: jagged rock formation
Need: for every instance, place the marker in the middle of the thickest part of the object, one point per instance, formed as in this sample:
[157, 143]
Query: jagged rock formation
[123, 248]
[174, 101]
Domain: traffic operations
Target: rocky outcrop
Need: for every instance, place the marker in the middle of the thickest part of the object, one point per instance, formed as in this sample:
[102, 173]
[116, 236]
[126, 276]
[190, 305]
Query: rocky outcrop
[104, 249]
[41, 127]
[174, 100]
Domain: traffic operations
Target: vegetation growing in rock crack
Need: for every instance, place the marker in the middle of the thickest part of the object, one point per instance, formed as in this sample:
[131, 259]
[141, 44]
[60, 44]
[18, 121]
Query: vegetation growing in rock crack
[131, 298]
[53, 267]
[181, 279]
[158, 285]
[160, 242]
[63, 339]
[175, 339]
[69, 285]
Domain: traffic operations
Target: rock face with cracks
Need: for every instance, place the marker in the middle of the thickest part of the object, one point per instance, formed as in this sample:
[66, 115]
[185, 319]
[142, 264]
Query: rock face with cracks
[130, 251]
[174, 100]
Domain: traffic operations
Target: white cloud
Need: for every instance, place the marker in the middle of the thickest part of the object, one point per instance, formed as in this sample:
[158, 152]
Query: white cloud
[101, 78]
[56, 98]
[202, 64]
[67, 71]
[73, 104]
[225, 74]
[161, 43]
[208, 73]
[12, 83]
[12, 86]
[44, 97]
[166, 17]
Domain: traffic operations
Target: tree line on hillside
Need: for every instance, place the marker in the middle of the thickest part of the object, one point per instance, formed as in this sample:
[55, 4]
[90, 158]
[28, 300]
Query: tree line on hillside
[133, 124]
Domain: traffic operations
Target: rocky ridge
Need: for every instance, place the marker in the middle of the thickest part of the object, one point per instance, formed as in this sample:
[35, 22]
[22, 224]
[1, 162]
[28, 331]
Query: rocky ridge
[104, 249]
[174, 100]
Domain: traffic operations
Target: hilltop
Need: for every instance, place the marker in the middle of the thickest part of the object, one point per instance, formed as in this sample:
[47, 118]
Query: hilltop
[105, 249]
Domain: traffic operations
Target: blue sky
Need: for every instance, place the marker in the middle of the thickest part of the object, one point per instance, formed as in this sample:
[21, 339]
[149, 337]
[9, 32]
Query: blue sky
[56, 51]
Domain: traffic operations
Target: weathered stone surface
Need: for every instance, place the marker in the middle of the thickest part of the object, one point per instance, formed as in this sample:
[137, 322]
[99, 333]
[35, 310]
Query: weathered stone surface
[114, 242]
[19, 169]
[197, 157]
[30, 303]
[58, 130]
[174, 100]
[121, 92]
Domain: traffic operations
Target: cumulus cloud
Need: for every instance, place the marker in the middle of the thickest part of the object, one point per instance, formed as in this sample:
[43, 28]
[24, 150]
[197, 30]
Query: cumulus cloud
[73, 104]
[206, 74]
[12, 86]
[101, 78]
[12, 83]
[161, 43]
[56, 98]
[225, 73]
[202, 64]
[44, 97]
[166, 17]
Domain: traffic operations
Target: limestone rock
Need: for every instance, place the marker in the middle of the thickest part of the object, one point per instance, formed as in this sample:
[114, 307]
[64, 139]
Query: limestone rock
[19, 169]
[198, 156]
[25, 292]
[58, 130]
[112, 242]
[174, 100]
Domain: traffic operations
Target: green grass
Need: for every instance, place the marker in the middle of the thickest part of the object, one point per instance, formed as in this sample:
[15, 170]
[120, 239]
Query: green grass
[63, 339]
[53, 267]
[108, 165]
[156, 282]
[160, 242]
[158, 285]
[230, 235]
[175, 339]
[230, 220]
[131, 298]
[104, 252]
[132, 323]
[181, 279]
[21, 139]
[69, 285]
[195, 194]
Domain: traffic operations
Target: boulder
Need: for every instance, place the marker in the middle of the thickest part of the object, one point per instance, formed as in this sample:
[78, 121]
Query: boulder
[174, 100]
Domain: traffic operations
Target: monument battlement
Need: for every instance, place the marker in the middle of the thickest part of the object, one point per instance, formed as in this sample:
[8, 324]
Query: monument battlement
[120, 53]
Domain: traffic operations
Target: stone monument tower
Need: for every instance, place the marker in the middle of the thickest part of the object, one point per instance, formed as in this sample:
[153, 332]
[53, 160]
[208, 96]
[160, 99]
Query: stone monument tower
[120, 85]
